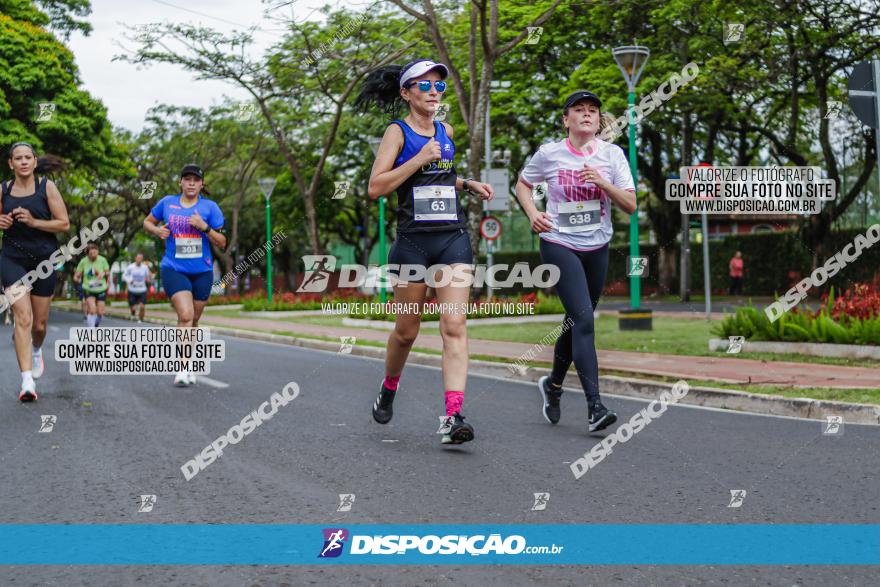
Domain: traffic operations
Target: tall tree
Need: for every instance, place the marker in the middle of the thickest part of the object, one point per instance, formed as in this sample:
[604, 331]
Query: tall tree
[301, 93]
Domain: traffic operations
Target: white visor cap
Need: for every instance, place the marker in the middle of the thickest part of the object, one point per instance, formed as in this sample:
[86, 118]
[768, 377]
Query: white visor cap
[420, 68]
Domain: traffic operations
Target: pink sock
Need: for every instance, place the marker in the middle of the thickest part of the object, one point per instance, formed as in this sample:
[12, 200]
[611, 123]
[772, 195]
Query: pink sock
[391, 382]
[454, 399]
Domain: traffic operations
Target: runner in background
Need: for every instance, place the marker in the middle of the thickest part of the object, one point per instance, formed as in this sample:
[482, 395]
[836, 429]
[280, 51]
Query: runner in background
[736, 274]
[137, 276]
[93, 274]
[191, 224]
[585, 176]
[32, 212]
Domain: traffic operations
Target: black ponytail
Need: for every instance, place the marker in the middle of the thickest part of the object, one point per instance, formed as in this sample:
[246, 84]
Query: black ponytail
[49, 164]
[381, 89]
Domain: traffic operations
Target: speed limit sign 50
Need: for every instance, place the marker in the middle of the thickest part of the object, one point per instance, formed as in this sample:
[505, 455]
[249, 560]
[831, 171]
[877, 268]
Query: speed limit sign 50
[490, 228]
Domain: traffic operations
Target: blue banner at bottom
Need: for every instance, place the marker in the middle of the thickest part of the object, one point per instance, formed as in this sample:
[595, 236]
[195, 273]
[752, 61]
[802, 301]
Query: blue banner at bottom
[427, 544]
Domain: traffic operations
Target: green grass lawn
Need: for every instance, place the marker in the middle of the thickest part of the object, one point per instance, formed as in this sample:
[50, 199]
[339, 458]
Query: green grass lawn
[679, 336]
[671, 336]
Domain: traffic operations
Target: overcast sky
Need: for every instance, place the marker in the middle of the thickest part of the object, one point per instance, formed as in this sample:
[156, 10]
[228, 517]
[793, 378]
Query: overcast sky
[128, 92]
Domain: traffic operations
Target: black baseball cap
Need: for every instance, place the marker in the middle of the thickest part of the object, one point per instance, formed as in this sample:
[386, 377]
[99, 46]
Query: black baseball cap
[192, 169]
[580, 96]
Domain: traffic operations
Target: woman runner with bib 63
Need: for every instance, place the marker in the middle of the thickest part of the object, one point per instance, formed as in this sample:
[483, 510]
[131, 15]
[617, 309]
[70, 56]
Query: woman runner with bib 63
[584, 176]
[415, 158]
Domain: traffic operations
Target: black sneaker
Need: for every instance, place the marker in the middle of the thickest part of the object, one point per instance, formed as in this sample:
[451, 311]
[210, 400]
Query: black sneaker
[600, 416]
[550, 396]
[460, 432]
[382, 409]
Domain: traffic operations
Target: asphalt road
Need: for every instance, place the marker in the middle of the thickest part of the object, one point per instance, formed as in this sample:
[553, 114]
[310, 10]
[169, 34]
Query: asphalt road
[117, 438]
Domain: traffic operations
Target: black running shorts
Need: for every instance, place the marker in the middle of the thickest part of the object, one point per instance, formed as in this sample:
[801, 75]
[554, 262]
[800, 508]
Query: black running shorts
[430, 248]
[13, 269]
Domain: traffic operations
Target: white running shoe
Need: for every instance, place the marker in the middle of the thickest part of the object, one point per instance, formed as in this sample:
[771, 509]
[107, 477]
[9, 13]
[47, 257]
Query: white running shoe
[191, 380]
[38, 365]
[28, 391]
[181, 379]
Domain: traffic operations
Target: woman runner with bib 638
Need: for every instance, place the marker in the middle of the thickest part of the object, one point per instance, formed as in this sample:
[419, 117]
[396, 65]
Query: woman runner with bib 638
[191, 224]
[584, 176]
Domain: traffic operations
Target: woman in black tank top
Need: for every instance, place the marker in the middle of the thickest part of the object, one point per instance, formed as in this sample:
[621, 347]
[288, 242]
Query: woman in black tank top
[415, 158]
[32, 213]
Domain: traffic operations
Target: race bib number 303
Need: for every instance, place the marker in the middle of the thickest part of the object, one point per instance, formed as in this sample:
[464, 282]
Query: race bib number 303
[434, 202]
[188, 247]
[579, 216]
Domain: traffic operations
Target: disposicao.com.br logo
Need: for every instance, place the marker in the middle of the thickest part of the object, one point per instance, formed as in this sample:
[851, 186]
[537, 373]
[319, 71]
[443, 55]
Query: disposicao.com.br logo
[431, 544]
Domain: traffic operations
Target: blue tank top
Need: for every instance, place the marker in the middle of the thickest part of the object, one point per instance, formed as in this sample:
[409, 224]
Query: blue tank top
[427, 200]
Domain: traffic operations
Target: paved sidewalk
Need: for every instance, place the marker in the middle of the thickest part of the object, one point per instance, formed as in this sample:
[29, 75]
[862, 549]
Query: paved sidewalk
[728, 370]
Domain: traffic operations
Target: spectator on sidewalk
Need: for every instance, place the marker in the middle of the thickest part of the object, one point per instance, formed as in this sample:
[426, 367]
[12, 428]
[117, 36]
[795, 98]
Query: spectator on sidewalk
[736, 274]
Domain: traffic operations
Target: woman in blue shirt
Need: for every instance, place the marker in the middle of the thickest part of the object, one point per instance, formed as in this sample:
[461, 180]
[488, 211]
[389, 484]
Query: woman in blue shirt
[190, 223]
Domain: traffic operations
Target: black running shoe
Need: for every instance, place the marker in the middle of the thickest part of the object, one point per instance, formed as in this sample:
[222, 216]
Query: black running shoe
[460, 432]
[382, 409]
[600, 416]
[550, 396]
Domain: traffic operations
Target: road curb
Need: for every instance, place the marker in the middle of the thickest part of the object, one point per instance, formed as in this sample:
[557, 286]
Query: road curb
[712, 397]
[816, 349]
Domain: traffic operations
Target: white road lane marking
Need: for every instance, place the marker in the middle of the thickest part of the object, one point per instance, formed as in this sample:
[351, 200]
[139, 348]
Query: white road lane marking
[211, 382]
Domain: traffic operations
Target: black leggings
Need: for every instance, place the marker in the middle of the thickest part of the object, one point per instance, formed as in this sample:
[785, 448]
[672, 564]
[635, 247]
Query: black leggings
[581, 279]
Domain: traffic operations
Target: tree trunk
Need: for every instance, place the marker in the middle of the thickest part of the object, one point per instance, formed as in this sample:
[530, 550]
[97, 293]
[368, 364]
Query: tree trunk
[667, 263]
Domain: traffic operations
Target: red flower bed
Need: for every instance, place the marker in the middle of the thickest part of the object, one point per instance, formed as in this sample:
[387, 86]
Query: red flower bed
[862, 300]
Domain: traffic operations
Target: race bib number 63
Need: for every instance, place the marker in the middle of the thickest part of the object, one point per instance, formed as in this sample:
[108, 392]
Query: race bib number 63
[434, 202]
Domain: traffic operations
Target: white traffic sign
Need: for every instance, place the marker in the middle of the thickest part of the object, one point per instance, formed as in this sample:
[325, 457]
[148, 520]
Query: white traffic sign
[490, 228]
[499, 179]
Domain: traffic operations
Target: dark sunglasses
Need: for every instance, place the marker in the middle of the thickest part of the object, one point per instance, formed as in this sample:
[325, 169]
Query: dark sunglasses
[425, 85]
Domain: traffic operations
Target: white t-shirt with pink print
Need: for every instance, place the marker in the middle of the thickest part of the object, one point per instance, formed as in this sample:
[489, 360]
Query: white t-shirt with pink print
[579, 211]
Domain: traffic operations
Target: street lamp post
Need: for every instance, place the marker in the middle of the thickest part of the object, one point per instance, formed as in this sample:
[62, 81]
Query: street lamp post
[494, 86]
[631, 60]
[267, 184]
[374, 145]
